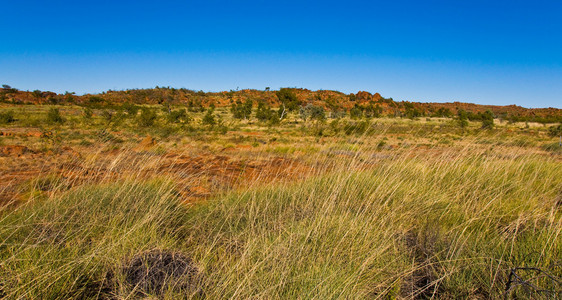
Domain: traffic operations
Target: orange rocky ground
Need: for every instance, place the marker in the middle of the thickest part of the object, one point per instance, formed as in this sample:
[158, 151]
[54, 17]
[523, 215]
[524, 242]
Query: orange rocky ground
[25, 172]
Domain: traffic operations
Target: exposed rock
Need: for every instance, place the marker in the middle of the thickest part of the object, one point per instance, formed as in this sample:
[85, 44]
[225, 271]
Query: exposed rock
[363, 96]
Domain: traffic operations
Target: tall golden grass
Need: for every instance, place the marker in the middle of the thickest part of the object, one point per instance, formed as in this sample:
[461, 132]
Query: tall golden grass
[400, 224]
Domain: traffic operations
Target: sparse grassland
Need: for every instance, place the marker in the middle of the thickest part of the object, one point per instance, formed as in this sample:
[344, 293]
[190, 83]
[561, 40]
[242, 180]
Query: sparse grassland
[163, 201]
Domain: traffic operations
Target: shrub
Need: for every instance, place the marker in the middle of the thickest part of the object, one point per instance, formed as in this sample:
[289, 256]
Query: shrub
[178, 116]
[95, 99]
[68, 97]
[487, 120]
[147, 118]
[373, 111]
[54, 116]
[462, 118]
[443, 112]
[555, 130]
[130, 109]
[288, 99]
[209, 118]
[264, 113]
[195, 106]
[356, 112]
[7, 117]
[241, 110]
[313, 112]
[37, 94]
[413, 113]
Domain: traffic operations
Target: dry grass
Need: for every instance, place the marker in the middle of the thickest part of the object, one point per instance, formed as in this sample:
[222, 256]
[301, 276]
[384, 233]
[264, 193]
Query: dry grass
[391, 213]
[449, 226]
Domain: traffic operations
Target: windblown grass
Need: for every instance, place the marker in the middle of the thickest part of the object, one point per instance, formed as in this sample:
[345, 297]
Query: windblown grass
[449, 227]
[408, 225]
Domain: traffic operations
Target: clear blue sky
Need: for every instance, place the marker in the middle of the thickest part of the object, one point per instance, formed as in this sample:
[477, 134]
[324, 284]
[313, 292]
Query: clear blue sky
[491, 52]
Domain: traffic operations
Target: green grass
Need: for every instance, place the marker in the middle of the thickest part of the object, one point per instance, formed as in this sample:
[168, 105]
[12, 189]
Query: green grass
[65, 247]
[461, 224]
[451, 226]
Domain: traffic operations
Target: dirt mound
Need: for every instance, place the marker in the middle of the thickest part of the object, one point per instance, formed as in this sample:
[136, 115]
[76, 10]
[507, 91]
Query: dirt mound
[156, 271]
[14, 150]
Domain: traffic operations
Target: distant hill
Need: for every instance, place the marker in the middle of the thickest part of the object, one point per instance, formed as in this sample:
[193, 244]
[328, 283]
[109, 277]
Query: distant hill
[331, 100]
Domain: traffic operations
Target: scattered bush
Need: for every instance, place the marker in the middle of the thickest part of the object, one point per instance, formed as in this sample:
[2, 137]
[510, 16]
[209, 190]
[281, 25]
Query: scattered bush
[147, 117]
[487, 120]
[178, 116]
[241, 110]
[356, 112]
[555, 130]
[462, 118]
[288, 99]
[54, 116]
[209, 118]
[312, 112]
[264, 113]
[7, 117]
[131, 109]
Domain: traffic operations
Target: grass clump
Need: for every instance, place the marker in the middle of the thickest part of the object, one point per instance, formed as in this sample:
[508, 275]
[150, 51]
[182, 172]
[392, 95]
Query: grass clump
[411, 228]
[77, 244]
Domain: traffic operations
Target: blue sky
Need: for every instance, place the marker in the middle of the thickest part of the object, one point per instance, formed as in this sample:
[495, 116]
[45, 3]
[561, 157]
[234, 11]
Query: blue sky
[490, 52]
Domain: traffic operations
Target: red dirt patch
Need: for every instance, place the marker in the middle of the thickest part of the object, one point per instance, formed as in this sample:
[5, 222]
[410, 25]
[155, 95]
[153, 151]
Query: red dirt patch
[14, 150]
[198, 175]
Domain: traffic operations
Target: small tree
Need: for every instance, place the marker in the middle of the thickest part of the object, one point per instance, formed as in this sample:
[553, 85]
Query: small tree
[37, 94]
[209, 118]
[313, 112]
[68, 97]
[304, 113]
[264, 113]
[288, 100]
[462, 118]
[241, 110]
[487, 120]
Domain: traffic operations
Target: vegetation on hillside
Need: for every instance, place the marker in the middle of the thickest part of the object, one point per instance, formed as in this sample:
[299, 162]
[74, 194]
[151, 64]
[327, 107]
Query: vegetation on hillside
[286, 100]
